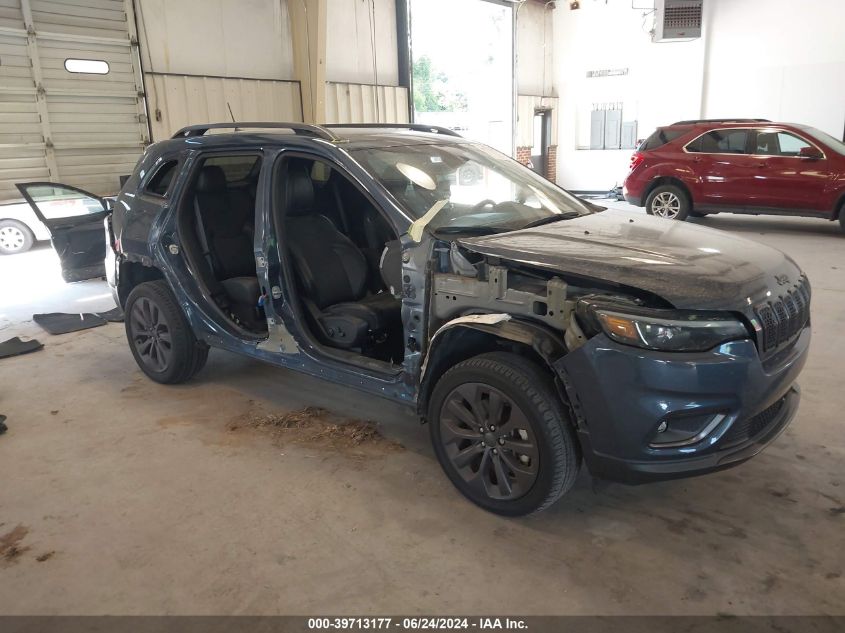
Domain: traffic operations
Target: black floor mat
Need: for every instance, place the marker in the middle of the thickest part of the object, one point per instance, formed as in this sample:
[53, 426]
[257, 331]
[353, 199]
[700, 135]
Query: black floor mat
[115, 315]
[15, 347]
[60, 323]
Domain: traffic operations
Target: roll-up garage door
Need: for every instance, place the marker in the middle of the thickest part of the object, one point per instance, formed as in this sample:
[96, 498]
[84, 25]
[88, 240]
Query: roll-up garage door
[71, 99]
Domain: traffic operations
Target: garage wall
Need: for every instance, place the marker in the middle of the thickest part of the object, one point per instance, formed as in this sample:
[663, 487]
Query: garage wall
[535, 41]
[535, 48]
[749, 63]
[762, 65]
[362, 68]
[663, 84]
[361, 33]
[202, 56]
[82, 129]
[362, 103]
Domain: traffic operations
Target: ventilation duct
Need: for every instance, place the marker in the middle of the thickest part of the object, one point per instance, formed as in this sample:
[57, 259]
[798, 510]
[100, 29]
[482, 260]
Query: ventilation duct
[677, 20]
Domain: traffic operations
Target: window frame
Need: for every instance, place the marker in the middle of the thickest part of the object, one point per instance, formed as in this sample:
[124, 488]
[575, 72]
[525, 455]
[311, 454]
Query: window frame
[778, 130]
[747, 130]
[154, 172]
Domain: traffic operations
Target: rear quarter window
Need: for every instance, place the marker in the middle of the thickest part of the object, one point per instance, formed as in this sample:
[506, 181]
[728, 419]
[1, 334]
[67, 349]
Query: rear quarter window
[660, 137]
[160, 181]
[731, 141]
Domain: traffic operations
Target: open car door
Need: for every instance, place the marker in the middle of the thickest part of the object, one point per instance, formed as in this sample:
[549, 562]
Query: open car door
[75, 220]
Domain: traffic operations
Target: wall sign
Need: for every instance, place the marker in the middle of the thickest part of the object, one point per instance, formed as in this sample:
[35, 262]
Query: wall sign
[607, 72]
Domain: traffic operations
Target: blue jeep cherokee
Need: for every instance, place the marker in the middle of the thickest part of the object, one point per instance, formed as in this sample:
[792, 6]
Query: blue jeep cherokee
[529, 328]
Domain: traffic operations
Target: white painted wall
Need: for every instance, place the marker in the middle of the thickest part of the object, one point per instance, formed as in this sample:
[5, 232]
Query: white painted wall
[231, 38]
[775, 59]
[535, 44]
[663, 84]
[354, 29]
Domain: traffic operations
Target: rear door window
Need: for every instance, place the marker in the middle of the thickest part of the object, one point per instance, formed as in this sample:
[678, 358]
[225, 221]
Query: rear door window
[720, 142]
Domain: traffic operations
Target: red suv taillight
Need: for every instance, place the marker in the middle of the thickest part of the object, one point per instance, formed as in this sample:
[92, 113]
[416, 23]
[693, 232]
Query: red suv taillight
[636, 159]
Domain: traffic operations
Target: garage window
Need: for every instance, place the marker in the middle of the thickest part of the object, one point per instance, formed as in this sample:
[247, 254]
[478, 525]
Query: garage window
[87, 66]
[160, 181]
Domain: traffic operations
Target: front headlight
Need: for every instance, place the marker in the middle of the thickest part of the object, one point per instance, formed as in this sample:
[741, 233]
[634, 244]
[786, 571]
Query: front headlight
[665, 330]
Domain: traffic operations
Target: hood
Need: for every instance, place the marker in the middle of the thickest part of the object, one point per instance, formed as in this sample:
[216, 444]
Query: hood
[691, 267]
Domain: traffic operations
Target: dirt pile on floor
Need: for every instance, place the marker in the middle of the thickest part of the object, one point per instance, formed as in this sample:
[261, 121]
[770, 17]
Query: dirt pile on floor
[10, 547]
[319, 427]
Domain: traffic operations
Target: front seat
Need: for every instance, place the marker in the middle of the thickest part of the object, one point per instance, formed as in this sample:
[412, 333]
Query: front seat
[333, 275]
[227, 217]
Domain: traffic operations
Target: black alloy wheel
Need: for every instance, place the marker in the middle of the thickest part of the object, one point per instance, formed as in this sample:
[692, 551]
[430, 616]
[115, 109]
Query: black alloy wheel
[151, 335]
[159, 335]
[489, 441]
[502, 433]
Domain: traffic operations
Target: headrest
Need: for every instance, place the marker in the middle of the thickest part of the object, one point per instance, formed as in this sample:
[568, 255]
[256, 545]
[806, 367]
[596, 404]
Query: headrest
[212, 179]
[300, 192]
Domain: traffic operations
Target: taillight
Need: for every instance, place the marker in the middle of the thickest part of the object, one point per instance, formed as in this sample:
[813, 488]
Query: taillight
[636, 159]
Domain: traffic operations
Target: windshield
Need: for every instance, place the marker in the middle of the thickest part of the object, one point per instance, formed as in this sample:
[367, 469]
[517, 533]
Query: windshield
[827, 139]
[468, 188]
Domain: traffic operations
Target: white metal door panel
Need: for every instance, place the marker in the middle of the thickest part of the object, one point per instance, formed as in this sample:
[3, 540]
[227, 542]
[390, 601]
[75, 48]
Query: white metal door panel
[179, 100]
[83, 129]
[364, 103]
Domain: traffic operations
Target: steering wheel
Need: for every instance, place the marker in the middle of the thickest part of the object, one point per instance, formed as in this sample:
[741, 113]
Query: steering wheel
[484, 203]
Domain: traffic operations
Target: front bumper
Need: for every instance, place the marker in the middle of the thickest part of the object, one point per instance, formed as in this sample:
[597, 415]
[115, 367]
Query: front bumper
[621, 395]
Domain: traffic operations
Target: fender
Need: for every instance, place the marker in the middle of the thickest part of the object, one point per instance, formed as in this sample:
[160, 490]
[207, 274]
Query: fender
[474, 334]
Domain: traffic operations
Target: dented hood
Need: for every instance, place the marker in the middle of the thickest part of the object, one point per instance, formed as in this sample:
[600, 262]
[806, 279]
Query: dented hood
[687, 265]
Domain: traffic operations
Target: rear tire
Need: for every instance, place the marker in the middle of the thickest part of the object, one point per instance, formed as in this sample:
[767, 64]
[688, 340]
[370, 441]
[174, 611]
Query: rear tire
[669, 202]
[502, 434]
[161, 340]
[15, 237]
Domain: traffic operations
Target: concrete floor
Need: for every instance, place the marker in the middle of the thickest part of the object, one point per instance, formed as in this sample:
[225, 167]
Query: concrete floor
[150, 504]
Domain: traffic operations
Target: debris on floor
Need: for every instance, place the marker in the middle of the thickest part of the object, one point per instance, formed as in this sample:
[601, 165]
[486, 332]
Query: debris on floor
[318, 427]
[3, 427]
[10, 547]
[115, 315]
[15, 346]
[45, 556]
[61, 323]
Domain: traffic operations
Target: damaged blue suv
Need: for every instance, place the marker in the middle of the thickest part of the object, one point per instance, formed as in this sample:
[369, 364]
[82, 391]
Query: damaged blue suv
[529, 328]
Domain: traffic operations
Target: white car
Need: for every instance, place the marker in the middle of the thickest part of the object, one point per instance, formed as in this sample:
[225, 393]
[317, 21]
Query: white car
[19, 228]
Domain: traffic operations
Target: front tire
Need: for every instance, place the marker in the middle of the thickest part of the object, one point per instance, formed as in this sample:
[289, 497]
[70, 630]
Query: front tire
[15, 237]
[161, 340]
[502, 434]
[668, 202]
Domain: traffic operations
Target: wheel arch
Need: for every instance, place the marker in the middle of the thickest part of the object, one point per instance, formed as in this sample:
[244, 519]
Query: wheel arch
[839, 207]
[667, 180]
[465, 337]
[131, 274]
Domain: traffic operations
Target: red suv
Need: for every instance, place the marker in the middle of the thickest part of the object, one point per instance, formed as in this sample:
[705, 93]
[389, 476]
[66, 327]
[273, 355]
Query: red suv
[692, 168]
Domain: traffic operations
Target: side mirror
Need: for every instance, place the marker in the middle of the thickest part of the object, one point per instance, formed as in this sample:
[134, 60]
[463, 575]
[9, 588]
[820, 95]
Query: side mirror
[810, 153]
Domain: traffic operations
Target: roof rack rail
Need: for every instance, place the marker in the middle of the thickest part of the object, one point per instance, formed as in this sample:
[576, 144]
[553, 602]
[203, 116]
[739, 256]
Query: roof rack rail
[303, 129]
[415, 127]
[728, 120]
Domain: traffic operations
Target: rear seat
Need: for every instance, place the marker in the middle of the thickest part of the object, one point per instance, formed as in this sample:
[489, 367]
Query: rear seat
[228, 219]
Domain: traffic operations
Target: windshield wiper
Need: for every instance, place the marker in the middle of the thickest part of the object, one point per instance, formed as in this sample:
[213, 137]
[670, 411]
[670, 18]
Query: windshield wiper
[569, 215]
